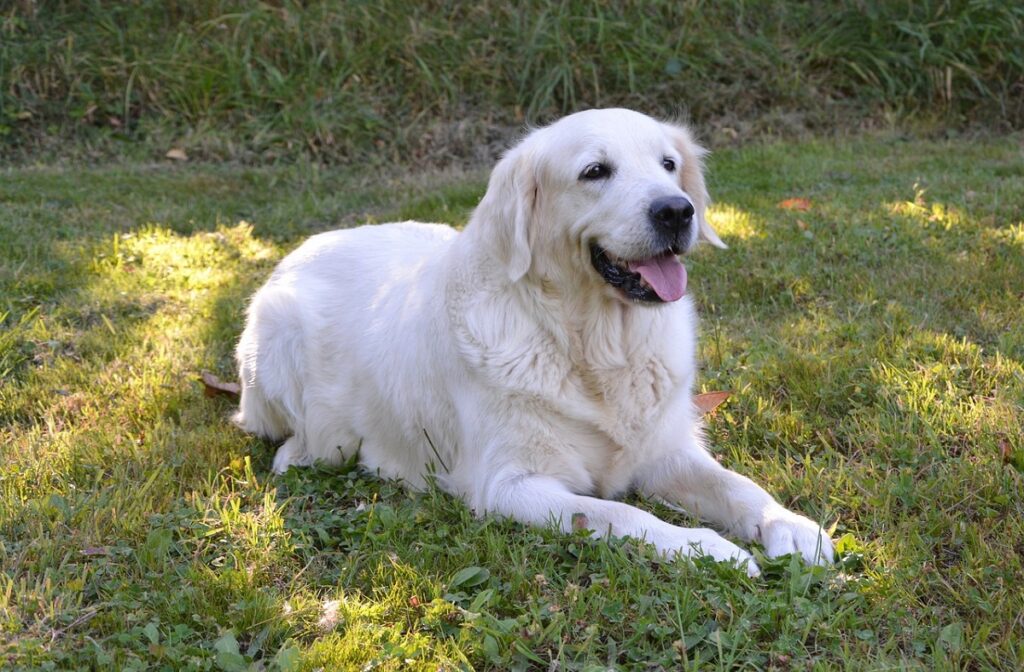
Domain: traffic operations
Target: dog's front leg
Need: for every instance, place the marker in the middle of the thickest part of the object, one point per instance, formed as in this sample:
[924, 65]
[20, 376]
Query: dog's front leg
[539, 500]
[693, 479]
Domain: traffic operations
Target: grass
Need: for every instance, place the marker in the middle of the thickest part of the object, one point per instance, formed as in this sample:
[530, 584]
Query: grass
[414, 81]
[872, 341]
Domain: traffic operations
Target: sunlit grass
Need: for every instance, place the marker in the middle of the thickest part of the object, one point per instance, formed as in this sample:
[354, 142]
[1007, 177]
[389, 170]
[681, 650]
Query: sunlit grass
[732, 222]
[871, 343]
[928, 214]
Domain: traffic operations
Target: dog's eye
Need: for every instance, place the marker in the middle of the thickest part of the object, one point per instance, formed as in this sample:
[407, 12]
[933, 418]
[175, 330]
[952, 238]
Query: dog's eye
[596, 171]
[669, 164]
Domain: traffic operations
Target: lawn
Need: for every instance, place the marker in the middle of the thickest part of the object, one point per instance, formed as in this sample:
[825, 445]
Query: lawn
[870, 332]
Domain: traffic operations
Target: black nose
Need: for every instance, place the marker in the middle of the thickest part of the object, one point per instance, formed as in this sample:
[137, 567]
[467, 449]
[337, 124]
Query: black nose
[671, 214]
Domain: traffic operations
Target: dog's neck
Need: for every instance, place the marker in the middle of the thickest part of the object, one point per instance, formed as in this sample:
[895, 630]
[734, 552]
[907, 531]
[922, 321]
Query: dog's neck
[592, 325]
[571, 304]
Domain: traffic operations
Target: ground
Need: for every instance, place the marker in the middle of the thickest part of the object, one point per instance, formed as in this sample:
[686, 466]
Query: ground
[866, 317]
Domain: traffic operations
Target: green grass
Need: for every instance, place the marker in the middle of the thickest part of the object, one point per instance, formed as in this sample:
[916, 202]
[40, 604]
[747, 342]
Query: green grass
[429, 81]
[873, 344]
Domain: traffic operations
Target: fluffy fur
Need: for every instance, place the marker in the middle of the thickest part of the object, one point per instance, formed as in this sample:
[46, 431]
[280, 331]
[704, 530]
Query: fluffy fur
[501, 360]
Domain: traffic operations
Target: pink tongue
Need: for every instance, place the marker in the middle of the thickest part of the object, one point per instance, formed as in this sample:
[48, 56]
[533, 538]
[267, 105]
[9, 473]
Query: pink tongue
[664, 273]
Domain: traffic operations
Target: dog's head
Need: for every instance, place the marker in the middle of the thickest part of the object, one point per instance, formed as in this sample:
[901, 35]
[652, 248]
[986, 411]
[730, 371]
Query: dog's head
[602, 197]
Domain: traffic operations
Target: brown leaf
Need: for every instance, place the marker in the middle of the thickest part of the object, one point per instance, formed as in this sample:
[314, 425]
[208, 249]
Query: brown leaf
[801, 204]
[212, 386]
[801, 224]
[708, 401]
[580, 522]
[176, 154]
[1004, 451]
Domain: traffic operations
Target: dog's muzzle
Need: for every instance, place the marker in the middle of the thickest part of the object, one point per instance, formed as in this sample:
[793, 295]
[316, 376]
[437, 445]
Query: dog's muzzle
[657, 279]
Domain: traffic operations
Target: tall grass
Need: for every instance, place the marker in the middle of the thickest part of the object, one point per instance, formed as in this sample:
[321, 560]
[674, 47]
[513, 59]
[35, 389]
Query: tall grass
[407, 80]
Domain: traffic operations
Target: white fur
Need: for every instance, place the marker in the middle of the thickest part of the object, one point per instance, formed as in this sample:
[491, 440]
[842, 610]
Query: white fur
[500, 360]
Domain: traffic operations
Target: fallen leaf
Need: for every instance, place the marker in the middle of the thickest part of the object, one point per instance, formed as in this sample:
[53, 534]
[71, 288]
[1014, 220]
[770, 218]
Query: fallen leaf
[801, 224]
[94, 550]
[801, 204]
[177, 154]
[114, 121]
[212, 386]
[580, 522]
[708, 401]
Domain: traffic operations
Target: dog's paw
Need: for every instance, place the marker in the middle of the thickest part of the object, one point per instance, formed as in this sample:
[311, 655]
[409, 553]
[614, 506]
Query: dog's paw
[290, 454]
[784, 532]
[699, 541]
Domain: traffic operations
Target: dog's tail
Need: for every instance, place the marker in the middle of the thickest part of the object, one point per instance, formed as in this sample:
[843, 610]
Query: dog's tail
[270, 365]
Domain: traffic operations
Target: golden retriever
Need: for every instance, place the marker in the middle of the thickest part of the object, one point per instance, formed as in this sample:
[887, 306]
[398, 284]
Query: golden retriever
[539, 363]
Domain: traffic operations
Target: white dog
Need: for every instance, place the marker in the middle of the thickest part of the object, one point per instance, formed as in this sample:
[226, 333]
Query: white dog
[538, 363]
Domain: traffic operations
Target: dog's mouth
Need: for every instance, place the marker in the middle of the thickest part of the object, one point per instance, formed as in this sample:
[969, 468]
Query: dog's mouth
[657, 279]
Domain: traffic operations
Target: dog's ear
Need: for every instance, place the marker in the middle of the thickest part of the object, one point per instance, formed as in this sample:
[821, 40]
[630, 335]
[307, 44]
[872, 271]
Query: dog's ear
[507, 210]
[691, 178]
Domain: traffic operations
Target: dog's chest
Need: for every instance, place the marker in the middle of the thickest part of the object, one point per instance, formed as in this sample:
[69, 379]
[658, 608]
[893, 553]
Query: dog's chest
[620, 407]
[623, 400]
[589, 397]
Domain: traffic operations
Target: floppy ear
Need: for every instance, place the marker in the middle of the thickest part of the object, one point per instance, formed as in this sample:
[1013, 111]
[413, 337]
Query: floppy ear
[507, 210]
[691, 177]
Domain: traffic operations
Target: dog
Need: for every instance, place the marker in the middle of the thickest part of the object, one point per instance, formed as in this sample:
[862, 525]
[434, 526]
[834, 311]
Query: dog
[538, 364]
